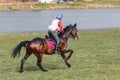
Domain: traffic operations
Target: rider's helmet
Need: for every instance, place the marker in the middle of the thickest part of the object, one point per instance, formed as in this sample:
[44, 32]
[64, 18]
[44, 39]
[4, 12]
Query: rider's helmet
[59, 16]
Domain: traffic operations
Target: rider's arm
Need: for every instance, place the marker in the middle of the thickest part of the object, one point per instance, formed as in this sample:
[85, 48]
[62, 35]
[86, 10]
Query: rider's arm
[61, 27]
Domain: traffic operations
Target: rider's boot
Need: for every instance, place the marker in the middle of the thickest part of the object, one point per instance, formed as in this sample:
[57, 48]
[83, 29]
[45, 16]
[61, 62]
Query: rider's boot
[56, 50]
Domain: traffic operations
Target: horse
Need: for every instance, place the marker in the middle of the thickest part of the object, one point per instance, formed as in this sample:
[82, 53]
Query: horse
[40, 46]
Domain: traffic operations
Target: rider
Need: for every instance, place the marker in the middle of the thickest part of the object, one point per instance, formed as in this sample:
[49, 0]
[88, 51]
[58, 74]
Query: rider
[53, 29]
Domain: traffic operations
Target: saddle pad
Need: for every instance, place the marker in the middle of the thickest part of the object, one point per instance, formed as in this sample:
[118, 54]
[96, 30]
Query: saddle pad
[50, 43]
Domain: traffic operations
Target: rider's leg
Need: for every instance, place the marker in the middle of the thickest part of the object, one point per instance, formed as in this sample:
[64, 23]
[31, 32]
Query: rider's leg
[56, 38]
[57, 42]
[50, 33]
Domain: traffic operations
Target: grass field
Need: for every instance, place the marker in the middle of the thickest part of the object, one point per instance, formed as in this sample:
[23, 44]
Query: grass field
[96, 57]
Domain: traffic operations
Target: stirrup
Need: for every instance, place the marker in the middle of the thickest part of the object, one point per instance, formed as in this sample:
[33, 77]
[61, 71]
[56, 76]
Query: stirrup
[57, 52]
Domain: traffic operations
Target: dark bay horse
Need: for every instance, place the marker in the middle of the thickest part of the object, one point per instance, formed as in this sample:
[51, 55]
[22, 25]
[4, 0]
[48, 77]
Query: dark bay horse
[39, 47]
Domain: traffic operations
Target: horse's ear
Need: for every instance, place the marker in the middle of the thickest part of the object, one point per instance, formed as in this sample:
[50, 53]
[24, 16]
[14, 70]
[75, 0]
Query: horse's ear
[75, 25]
[70, 24]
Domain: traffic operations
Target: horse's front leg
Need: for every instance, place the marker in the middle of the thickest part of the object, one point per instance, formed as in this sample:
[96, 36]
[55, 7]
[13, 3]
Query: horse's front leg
[67, 58]
[70, 54]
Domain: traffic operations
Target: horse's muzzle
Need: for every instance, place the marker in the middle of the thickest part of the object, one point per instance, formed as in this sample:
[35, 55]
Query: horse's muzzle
[76, 38]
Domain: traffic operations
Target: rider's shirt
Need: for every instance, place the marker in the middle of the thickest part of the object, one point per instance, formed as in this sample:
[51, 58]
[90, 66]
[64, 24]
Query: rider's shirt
[56, 25]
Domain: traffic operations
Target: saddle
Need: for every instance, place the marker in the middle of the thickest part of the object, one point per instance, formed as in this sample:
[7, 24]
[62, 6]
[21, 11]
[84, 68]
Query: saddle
[51, 43]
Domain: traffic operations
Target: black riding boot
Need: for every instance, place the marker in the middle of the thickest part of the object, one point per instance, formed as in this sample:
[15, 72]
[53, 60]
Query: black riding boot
[56, 49]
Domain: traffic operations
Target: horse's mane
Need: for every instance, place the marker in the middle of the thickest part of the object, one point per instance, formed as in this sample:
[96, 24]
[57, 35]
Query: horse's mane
[66, 29]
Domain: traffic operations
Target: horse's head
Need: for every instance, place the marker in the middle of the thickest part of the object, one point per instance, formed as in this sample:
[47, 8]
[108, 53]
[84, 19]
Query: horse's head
[73, 32]
[70, 31]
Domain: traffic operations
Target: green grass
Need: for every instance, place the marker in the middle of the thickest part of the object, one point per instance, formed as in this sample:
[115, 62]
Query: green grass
[96, 57]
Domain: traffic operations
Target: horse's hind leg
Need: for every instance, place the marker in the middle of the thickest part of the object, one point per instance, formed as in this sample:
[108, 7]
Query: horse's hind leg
[39, 60]
[28, 53]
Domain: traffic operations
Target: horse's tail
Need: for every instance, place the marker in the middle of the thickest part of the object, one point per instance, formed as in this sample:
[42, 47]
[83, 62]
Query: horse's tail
[17, 49]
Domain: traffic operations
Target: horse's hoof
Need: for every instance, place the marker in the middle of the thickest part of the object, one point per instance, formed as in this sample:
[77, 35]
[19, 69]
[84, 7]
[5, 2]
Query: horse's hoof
[44, 70]
[21, 71]
[68, 65]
